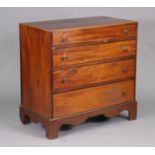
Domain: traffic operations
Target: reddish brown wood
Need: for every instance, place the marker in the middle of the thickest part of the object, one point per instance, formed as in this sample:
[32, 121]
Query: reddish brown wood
[52, 126]
[103, 34]
[136, 61]
[68, 79]
[133, 112]
[78, 23]
[35, 70]
[91, 98]
[75, 69]
[89, 53]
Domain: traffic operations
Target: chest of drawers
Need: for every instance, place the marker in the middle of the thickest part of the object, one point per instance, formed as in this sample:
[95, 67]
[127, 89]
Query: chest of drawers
[73, 69]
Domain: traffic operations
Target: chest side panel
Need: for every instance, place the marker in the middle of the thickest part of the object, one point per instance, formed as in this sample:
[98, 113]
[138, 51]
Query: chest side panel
[35, 70]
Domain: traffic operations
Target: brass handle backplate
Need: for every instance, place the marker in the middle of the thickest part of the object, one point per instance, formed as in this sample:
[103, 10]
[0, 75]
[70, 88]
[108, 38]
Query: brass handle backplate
[125, 69]
[64, 57]
[65, 80]
[124, 93]
[125, 32]
[124, 49]
[64, 38]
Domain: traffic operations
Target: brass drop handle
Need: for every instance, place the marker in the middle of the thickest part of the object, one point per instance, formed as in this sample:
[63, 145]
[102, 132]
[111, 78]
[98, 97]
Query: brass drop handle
[125, 32]
[124, 93]
[124, 49]
[64, 57]
[125, 69]
[65, 80]
[64, 38]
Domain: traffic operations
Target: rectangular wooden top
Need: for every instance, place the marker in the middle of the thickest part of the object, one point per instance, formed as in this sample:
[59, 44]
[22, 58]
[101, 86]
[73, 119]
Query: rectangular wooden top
[61, 24]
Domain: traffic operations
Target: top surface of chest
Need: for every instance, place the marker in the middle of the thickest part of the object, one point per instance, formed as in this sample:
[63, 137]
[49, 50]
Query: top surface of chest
[87, 22]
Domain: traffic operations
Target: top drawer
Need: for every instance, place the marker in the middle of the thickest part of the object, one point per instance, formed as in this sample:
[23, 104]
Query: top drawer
[100, 34]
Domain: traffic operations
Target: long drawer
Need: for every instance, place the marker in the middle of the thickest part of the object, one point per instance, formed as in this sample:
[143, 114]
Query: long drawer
[99, 52]
[67, 79]
[91, 98]
[102, 33]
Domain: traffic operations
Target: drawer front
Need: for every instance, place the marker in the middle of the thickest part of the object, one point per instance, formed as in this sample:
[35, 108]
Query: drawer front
[86, 75]
[92, 98]
[84, 54]
[104, 34]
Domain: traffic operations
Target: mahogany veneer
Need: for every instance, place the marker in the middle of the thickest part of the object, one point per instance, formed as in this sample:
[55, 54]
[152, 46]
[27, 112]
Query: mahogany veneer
[73, 69]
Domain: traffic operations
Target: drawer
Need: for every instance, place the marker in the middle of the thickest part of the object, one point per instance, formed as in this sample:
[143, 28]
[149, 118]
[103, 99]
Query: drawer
[103, 34]
[67, 79]
[92, 98]
[84, 54]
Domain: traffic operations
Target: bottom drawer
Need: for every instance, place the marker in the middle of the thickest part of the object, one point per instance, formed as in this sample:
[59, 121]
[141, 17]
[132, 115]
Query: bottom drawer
[91, 98]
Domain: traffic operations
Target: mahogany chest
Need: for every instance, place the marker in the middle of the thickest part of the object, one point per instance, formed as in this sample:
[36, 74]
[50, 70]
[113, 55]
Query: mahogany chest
[73, 69]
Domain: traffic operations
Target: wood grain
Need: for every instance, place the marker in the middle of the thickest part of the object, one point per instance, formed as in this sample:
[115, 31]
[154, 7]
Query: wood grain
[68, 79]
[52, 126]
[90, 98]
[78, 23]
[84, 54]
[73, 69]
[106, 34]
[35, 70]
